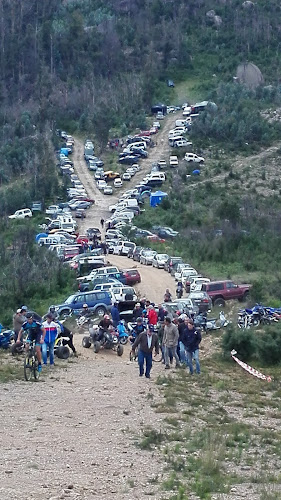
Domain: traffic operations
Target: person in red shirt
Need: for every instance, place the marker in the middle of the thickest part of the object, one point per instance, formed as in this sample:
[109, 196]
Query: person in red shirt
[152, 316]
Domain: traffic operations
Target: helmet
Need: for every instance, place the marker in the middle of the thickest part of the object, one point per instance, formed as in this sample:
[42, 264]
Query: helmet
[23, 308]
[106, 316]
[52, 308]
[85, 306]
[29, 315]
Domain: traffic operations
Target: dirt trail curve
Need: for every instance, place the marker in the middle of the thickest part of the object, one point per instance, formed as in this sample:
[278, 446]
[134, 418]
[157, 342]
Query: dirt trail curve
[72, 434]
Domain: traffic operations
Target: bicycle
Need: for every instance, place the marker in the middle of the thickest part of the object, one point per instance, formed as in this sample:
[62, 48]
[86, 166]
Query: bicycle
[31, 363]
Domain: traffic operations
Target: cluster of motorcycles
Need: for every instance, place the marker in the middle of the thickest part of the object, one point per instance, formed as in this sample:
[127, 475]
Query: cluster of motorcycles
[258, 315]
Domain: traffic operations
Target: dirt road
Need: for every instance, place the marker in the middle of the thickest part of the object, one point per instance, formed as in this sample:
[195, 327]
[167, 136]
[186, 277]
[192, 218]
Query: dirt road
[73, 434]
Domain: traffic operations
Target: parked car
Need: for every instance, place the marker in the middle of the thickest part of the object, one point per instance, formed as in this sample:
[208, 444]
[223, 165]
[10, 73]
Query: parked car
[98, 302]
[172, 263]
[21, 214]
[118, 182]
[101, 184]
[147, 257]
[193, 157]
[166, 232]
[195, 283]
[128, 160]
[123, 247]
[132, 276]
[53, 209]
[80, 213]
[79, 204]
[159, 260]
[162, 164]
[136, 254]
[126, 176]
[221, 291]
[202, 300]
[108, 190]
[92, 232]
[183, 305]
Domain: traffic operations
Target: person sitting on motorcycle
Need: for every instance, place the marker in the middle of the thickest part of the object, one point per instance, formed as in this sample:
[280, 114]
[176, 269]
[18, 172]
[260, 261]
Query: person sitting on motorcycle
[179, 290]
[139, 328]
[86, 312]
[104, 325]
[167, 296]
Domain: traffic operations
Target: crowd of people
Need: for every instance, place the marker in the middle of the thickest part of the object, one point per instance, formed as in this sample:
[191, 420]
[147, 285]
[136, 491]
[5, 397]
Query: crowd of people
[153, 330]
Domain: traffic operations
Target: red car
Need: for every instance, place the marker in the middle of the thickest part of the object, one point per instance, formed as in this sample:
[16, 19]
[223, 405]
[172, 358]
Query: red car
[154, 237]
[144, 133]
[132, 276]
[82, 239]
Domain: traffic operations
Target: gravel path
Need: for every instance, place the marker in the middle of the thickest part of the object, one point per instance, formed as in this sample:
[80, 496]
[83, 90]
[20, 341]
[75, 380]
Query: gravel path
[73, 434]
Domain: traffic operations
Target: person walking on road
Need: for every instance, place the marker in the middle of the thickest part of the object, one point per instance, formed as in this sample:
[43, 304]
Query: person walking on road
[49, 340]
[147, 341]
[170, 342]
[102, 223]
[191, 340]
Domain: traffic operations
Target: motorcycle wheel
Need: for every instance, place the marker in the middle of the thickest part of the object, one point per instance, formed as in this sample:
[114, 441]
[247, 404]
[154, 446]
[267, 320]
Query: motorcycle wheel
[120, 350]
[123, 340]
[86, 342]
[16, 349]
[96, 346]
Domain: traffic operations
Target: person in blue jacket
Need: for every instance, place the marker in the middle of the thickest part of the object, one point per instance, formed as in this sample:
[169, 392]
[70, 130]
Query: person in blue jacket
[115, 314]
[49, 340]
[191, 339]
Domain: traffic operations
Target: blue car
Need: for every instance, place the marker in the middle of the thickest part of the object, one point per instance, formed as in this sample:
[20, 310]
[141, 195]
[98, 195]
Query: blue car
[99, 303]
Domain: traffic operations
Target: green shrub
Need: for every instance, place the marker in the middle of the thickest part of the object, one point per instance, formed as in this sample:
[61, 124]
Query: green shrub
[269, 345]
[242, 340]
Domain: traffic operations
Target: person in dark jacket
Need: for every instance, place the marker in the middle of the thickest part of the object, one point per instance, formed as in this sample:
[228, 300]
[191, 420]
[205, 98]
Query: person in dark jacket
[137, 312]
[147, 341]
[161, 313]
[191, 341]
[115, 314]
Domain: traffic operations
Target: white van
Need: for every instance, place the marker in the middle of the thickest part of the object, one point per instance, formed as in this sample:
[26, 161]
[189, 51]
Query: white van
[99, 272]
[123, 247]
[137, 145]
[174, 162]
[120, 292]
[159, 176]
[130, 202]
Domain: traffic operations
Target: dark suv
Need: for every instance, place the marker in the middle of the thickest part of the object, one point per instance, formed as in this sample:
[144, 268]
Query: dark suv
[220, 291]
[171, 264]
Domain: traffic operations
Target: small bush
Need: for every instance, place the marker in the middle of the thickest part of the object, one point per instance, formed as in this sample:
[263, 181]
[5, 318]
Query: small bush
[242, 340]
[269, 345]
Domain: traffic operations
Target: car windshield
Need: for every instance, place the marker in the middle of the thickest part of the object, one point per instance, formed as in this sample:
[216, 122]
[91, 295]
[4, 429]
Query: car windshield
[69, 300]
[163, 256]
[149, 254]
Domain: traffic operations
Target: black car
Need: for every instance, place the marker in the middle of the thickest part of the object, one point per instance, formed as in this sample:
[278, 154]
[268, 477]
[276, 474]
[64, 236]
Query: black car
[129, 160]
[136, 253]
[167, 233]
[202, 300]
[93, 232]
[139, 152]
[172, 263]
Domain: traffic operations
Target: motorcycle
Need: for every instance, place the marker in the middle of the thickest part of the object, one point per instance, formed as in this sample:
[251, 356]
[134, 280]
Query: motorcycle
[258, 315]
[108, 341]
[6, 337]
[121, 333]
[179, 292]
[205, 323]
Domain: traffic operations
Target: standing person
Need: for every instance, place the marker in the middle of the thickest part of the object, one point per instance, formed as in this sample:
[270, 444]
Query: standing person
[161, 313]
[191, 340]
[181, 347]
[102, 223]
[36, 332]
[152, 315]
[49, 340]
[137, 312]
[115, 314]
[147, 341]
[170, 343]
[18, 321]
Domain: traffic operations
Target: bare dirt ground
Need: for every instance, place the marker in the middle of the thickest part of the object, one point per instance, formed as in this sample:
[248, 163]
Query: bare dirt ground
[73, 434]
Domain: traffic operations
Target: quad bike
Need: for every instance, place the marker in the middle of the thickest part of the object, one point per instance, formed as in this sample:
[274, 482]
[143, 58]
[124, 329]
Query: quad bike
[108, 341]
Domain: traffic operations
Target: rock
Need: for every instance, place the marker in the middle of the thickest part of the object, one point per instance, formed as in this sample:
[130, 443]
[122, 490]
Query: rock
[70, 487]
[217, 20]
[210, 14]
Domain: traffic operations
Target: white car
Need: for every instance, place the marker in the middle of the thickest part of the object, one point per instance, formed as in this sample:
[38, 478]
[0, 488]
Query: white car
[101, 184]
[193, 157]
[21, 214]
[131, 171]
[126, 176]
[118, 182]
[53, 209]
[196, 283]
[159, 260]
[162, 164]
[108, 190]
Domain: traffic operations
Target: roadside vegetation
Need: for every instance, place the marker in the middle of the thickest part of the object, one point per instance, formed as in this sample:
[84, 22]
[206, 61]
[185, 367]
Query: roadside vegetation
[219, 432]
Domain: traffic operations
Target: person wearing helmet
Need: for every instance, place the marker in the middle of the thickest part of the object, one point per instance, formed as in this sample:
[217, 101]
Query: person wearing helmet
[104, 325]
[179, 290]
[35, 332]
[86, 312]
[139, 328]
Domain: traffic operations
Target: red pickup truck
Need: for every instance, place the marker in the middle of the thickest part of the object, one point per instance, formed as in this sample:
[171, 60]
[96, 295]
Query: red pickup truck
[220, 291]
